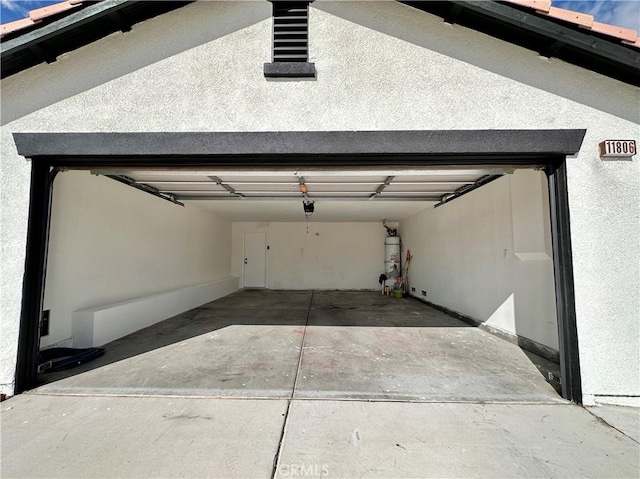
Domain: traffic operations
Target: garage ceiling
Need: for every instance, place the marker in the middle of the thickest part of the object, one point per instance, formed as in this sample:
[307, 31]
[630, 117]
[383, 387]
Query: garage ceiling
[277, 194]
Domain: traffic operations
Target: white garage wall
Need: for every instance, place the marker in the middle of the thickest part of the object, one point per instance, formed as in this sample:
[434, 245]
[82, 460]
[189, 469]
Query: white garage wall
[381, 66]
[331, 256]
[111, 243]
[487, 255]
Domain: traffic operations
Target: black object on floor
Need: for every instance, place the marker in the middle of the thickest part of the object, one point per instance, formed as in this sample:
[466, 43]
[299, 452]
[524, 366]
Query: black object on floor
[58, 359]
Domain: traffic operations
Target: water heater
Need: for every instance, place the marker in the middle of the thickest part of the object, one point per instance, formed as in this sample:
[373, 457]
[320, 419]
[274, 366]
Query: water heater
[392, 256]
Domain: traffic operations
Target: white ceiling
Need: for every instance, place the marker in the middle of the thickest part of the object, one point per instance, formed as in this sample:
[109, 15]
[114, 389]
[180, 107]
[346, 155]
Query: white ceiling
[277, 195]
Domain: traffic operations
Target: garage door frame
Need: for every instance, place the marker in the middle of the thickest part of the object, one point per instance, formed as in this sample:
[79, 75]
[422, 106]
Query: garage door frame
[544, 149]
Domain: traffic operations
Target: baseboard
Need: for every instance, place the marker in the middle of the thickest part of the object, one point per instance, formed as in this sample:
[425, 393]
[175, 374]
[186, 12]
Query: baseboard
[525, 343]
[350, 290]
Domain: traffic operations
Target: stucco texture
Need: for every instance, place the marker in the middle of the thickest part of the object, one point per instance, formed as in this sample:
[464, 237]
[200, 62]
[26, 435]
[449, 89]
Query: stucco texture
[381, 65]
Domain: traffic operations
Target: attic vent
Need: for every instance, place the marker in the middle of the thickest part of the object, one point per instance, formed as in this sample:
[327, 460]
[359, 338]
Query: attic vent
[290, 41]
[290, 31]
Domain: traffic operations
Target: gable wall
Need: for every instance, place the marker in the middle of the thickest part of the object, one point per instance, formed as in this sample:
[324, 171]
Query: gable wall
[381, 65]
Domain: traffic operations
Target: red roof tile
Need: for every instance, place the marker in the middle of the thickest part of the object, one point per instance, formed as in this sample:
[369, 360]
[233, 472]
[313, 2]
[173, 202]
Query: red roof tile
[37, 15]
[44, 12]
[627, 36]
[541, 5]
[10, 27]
[613, 31]
[570, 16]
[633, 44]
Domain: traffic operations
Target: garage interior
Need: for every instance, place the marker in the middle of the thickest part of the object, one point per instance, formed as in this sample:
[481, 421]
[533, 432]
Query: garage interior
[310, 320]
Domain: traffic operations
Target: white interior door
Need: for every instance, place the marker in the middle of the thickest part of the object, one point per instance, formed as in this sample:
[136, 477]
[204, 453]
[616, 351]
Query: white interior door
[254, 271]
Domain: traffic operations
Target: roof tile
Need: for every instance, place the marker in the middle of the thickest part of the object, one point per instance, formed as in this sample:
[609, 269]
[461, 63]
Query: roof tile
[15, 26]
[540, 5]
[633, 44]
[37, 15]
[614, 31]
[578, 18]
[44, 12]
[543, 7]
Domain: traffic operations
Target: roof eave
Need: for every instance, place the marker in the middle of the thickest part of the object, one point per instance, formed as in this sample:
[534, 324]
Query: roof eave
[94, 21]
[583, 48]
[616, 60]
[67, 23]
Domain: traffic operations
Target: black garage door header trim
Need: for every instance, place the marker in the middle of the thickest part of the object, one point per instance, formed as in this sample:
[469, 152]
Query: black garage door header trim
[300, 143]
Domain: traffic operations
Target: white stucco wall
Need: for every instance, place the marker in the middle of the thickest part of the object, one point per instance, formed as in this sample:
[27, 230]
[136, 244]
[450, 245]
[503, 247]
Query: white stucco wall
[381, 65]
[111, 243]
[467, 256]
[332, 256]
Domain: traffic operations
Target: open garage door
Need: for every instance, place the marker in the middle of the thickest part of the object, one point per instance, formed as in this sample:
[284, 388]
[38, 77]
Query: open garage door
[344, 176]
[300, 184]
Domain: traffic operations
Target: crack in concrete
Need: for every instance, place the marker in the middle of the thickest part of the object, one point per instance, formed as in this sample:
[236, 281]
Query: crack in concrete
[276, 458]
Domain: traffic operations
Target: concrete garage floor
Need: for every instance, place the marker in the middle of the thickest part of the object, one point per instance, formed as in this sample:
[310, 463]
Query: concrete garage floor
[302, 384]
[355, 345]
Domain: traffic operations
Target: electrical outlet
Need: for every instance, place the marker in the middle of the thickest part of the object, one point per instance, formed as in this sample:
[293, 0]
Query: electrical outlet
[44, 325]
[424, 293]
[413, 290]
[552, 377]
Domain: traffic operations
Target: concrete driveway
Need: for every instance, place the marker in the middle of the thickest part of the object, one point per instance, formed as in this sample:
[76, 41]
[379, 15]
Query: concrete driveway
[310, 384]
